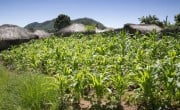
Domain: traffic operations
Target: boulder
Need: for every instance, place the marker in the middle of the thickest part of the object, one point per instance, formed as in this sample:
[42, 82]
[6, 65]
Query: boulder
[12, 35]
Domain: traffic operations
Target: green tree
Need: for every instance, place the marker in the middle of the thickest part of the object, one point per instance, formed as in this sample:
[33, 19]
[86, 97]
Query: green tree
[151, 19]
[177, 19]
[62, 21]
[166, 23]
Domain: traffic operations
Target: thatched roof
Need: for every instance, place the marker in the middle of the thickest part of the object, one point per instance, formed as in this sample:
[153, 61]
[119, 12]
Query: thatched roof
[73, 28]
[13, 35]
[42, 34]
[142, 28]
[104, 30]
[13, 32]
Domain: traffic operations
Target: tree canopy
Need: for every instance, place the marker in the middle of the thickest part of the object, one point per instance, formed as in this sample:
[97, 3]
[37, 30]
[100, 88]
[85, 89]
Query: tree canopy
[151, 19]
[62, 21]
[177, 19]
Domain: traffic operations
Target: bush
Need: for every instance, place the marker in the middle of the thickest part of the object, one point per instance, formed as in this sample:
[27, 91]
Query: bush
[171, 31]
[177, 19]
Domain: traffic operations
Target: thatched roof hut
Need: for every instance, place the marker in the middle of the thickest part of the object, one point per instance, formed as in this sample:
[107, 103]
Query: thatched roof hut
[73, 28]
[142, 28]
[12, 34]
[42, 34]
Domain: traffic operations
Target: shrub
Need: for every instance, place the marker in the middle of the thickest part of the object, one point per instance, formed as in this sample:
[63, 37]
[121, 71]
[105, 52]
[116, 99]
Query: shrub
[171, 31]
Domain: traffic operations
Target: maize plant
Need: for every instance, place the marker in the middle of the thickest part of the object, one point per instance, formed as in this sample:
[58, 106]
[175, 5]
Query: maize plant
[102, 64]
[146, 91]
[98, 82]
[80, 85]
[62, 85]
[119, 83]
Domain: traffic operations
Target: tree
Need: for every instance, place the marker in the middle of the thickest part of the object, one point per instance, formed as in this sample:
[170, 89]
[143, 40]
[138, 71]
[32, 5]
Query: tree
[62, 21]
[166, 23]
[177, 19]
[151, 20]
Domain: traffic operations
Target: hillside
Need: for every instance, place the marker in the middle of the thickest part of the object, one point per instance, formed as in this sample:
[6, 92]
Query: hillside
[49, 25]
[89, 21]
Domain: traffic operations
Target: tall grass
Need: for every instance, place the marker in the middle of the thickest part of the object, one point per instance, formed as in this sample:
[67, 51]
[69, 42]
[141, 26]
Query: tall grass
[27, 91]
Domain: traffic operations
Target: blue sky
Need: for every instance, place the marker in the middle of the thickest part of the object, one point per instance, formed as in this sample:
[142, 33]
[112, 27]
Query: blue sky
[112, 13]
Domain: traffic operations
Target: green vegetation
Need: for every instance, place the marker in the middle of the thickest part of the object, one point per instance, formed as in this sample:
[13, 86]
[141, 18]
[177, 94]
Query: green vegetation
[62, 21]
[90, 22]
[28, 91]
[90, 28]
[177, 19]
[165, 22]
[151, 19]
[142, 70]
[172, 29]
[168, 29]
[49, 25]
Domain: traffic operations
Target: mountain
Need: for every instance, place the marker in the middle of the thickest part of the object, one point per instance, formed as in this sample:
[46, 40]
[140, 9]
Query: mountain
[89, 21]
[49, 25]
